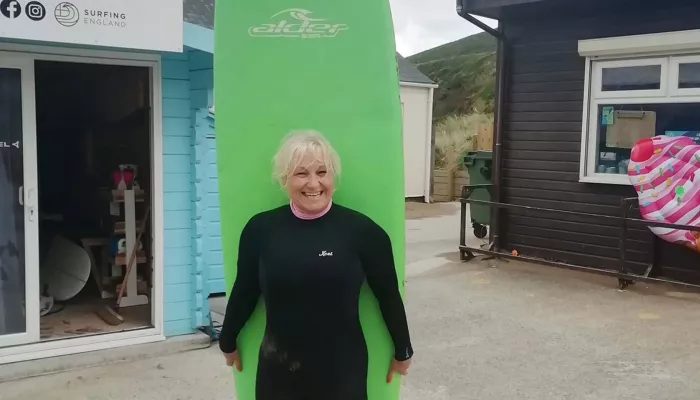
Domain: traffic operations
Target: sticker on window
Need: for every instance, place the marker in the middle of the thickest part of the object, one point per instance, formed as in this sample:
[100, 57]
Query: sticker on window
[608, 117]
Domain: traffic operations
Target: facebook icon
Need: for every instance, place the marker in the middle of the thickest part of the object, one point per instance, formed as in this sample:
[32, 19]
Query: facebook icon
[10, 8]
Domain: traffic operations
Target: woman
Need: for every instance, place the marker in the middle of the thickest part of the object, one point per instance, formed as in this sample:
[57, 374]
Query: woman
[308, 260]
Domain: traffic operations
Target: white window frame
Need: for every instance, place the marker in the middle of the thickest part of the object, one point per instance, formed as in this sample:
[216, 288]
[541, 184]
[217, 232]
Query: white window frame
[597, 78]
[668, 49]
[674, 77]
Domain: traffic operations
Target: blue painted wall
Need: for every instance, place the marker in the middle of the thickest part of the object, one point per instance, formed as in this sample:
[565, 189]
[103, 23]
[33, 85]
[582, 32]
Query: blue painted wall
[208, 260]
[201, 93]
[214, 257]
[188, 83]
[177, 187]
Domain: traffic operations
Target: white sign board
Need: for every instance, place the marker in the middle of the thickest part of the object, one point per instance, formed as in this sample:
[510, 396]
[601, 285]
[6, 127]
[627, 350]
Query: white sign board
[131, 24]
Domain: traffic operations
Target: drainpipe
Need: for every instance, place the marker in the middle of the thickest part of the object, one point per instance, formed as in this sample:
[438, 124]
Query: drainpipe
[499, 34]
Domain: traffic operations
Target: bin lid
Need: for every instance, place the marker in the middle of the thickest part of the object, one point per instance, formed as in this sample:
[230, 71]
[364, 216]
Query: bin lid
[480, 155]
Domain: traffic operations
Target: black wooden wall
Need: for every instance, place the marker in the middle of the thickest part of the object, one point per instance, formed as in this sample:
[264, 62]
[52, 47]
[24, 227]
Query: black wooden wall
[542, 134]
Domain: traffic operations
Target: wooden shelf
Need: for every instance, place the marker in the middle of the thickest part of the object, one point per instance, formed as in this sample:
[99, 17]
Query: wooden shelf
[121, 259]
[130, 226]
[120, 227]
[118, 196]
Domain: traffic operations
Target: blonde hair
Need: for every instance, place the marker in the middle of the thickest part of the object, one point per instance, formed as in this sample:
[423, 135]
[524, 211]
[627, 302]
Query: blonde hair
[299, 143]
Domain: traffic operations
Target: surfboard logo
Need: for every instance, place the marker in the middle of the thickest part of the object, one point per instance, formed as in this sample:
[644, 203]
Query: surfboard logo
[297, 23]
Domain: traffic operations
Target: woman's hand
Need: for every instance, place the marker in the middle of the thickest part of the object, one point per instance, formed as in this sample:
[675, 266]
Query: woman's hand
[398, 367]
[234, 359]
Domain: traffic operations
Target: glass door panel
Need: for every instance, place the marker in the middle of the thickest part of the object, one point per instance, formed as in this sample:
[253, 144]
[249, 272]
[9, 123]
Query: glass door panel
[19, 289]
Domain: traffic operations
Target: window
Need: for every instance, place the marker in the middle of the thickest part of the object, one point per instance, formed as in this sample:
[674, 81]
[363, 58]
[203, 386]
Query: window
[689, 75]
[632, 98]
[685, 74]
[623, 79]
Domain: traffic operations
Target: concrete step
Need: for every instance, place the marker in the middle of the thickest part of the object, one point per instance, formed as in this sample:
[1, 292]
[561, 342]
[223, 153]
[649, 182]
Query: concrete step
[54, 365]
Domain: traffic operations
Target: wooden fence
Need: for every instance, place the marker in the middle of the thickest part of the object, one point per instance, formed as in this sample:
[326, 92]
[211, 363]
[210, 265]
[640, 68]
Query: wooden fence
[447, 185]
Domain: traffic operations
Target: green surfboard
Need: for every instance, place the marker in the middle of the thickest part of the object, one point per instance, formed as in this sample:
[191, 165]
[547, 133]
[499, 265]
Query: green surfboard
[327, 65]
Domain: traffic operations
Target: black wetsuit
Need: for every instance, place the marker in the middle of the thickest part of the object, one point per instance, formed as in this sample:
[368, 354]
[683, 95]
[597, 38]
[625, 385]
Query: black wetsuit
[309, 273]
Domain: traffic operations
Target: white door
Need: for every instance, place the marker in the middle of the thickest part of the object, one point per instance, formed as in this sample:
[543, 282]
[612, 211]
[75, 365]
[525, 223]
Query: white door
[19, 232]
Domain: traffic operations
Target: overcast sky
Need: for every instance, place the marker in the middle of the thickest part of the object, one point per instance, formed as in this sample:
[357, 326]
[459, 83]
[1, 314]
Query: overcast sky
[424, 24]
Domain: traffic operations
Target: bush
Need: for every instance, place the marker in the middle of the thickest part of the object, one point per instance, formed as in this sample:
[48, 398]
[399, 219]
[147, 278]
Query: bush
[455, 135]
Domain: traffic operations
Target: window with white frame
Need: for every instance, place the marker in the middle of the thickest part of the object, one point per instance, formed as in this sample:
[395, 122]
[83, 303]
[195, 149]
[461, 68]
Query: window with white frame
[632, 97]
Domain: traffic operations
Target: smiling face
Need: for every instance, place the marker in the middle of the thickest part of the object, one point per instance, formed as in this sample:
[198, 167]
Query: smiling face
[310, 184]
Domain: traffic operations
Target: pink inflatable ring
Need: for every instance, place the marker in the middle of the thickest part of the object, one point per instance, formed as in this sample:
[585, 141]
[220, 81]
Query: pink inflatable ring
[665, 172]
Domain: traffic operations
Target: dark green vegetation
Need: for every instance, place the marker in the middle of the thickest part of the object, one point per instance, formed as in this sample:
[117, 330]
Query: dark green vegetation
[465, 70]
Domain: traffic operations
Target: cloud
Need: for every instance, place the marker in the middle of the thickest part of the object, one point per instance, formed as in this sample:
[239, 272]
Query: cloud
[423, 24]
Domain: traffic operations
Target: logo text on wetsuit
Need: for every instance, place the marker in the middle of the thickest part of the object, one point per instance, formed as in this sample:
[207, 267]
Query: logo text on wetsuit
[297, 22]
[326, 254]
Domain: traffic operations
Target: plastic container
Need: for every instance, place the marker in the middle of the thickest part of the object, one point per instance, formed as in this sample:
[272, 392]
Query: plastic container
[478, 164]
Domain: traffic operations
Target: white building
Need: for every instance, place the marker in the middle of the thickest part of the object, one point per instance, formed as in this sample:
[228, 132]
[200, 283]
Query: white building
[418, 142]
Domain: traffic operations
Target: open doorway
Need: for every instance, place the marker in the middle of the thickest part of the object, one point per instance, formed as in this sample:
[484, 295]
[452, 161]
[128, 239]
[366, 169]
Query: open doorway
[95, 192]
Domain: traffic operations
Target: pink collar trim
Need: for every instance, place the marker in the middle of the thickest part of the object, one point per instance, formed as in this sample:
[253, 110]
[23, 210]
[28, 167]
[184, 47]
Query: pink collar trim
[302, 215]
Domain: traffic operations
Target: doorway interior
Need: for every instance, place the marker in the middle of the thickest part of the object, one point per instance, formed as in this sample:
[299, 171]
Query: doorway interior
[93, 135]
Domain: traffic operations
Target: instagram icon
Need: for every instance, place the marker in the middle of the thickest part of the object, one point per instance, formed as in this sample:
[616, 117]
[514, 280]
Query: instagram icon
[35, 11]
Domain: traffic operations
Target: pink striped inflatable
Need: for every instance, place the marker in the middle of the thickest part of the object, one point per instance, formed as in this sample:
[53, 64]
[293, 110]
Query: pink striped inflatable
[665, 172]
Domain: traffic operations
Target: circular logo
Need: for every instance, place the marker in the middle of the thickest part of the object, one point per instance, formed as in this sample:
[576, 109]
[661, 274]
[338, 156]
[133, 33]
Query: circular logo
[10, 8]
[66, 14]
[35, 11]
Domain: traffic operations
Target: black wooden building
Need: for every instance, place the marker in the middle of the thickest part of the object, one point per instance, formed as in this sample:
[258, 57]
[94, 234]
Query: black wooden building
[562, 65]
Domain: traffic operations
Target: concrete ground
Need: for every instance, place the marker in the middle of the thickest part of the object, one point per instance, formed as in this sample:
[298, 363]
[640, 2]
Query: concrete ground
[487, 330]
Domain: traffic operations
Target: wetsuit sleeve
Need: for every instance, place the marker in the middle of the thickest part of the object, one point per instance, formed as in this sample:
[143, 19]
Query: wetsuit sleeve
[377, 259]
[245, 292]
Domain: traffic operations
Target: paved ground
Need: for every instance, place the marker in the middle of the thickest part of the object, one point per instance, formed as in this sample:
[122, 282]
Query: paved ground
[482, 330]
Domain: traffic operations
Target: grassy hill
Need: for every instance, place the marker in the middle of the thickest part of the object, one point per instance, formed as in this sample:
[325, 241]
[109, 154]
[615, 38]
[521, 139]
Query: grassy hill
[465, 70]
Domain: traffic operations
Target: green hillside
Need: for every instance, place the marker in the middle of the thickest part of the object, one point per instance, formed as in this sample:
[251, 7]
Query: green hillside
[465, 70]
[478, 43]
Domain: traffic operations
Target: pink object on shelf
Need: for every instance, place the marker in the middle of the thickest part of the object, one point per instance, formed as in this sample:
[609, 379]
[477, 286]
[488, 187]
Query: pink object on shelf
[123, 177]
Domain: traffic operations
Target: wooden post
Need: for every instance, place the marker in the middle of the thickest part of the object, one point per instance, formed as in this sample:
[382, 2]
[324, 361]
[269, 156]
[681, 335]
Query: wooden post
[443, 189]
[484, 138]
[459, 179]
[132, 298]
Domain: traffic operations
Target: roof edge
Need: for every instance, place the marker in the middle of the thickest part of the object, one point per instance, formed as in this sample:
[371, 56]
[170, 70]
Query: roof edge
[408, 72]
[198, 37]
[419, 84]
[488, 8]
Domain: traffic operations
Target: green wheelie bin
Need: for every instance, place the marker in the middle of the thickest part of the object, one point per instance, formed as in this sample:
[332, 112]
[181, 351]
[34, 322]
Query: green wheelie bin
[478, 164]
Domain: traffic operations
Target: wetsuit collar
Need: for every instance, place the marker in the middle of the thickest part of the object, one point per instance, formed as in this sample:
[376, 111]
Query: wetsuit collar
[302, 215]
